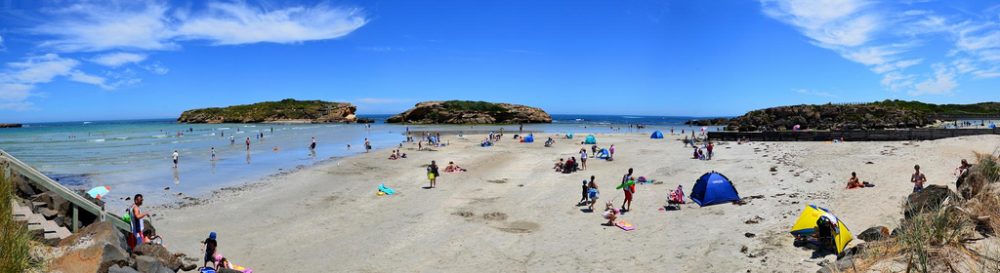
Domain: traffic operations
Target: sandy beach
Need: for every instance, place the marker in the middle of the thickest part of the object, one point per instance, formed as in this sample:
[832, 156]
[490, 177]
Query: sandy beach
[512, 213]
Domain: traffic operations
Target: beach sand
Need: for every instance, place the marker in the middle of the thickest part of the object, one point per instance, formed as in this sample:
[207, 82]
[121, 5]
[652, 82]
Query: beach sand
[512, 213]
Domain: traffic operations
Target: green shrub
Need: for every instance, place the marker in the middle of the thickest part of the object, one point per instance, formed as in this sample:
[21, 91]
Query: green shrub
[14, 238]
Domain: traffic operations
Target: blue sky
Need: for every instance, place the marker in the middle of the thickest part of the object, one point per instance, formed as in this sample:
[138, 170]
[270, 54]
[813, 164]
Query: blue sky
[98, 60]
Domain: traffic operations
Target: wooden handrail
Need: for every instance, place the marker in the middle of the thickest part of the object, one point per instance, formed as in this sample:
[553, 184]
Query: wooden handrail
[79, 202]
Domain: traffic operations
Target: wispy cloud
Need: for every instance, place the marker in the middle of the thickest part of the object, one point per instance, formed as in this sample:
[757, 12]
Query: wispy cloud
[18, 79]
[815, 93]
[156, 26]
[893, 40]
[2, 46]
[118, 59]
[115, 34]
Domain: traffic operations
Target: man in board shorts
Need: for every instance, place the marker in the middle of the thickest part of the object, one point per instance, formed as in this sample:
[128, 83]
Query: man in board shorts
[629, 189]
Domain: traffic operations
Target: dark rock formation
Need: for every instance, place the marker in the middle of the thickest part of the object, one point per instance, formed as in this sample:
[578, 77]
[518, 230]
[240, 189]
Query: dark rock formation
[829, 117]
[876, 233]
[708, 122]
[288, 110]
[10, 125]
[930, 198]
[470, 112]
[163, 256]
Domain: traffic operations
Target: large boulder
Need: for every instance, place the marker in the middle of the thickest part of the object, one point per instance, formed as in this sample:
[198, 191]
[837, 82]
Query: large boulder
[149, 264]
[876, 233]
[470, 112]
[94, 248]
[121, 269]
[165, 257]
[930, 198]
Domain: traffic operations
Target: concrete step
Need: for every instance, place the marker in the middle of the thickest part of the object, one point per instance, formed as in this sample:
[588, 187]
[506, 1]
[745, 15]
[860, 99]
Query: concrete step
[35, 205]
[48, 213]
[58, 234]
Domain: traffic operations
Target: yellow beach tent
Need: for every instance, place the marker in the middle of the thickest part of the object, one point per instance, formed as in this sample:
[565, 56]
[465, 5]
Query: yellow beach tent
[805, 226]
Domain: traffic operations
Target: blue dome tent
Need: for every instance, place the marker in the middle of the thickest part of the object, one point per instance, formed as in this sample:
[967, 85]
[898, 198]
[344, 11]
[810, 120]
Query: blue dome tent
[590, 140]
[528, 139]
[656, 135]
[713, 188]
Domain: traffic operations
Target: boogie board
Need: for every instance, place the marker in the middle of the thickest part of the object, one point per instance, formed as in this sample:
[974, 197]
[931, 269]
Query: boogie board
[386, 190]
[624, 225]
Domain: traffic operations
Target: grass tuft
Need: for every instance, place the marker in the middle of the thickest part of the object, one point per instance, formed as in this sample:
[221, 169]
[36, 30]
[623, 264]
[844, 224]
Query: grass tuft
[15, 242]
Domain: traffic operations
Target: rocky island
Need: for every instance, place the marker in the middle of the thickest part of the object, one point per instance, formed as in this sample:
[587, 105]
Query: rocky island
[287, 110]
[888, 114]
[10, 125]
[470, 112]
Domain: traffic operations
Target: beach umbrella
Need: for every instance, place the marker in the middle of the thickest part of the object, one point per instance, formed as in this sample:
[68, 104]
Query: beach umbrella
[98, 192]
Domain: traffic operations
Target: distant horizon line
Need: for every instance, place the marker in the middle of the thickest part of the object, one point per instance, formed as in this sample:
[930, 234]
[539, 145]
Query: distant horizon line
[362, 115]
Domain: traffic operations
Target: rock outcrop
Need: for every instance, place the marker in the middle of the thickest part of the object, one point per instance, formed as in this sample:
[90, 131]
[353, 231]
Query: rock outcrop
[94, 248]
[10, 125]
[829, 117]
[708, 122]
[470, 112]
[287, 110]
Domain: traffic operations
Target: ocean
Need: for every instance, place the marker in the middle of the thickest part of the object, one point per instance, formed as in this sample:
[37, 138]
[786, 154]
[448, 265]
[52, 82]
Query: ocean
[134, 156]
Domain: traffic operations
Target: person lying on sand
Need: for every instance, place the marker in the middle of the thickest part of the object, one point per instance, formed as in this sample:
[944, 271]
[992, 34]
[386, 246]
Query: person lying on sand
[393, 156]
[452, 168]
[854, 182]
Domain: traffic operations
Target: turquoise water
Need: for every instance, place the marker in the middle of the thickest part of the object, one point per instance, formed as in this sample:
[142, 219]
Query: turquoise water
[135, 156]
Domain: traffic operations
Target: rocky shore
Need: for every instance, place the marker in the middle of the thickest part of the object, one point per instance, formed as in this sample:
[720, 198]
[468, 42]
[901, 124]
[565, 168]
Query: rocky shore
[470, 112]
[287, 110]
[10, 125]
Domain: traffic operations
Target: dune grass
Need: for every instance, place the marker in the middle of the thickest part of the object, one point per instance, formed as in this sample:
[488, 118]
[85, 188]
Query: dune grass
[14, 238]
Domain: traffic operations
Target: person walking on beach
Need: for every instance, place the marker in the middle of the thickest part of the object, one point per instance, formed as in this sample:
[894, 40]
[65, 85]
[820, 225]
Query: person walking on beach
[583, 158]
[368, 145]
[248, 144]
[918, 179]
[432, 173]
[213, 153]
[175, 156]
[628, 187]
[612, 155]
[593, 193]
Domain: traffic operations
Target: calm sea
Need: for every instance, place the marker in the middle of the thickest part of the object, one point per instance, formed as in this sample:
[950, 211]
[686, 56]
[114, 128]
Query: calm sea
[134, 156]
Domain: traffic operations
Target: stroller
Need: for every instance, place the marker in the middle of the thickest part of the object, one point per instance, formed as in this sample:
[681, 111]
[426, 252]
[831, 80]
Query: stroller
[676, 198]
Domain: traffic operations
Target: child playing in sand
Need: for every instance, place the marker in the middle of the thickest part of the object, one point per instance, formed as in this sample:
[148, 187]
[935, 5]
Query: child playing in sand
[432, 173]
[592, 192]
[854, 182]
[583, 194]
[610, 213]
[209, 246]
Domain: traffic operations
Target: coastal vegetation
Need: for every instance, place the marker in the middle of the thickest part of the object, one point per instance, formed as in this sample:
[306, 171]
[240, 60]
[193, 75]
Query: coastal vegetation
[888, 114]
[470, 112]
[287, 110]
[954, 233]
[15, 242]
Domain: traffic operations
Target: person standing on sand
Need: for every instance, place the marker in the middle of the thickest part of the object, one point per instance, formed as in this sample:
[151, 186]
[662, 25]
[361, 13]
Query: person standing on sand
[612, 155]
[583, 158]
[175, 156]
[593, 193]
[135, 218]
[432, 173]
[918, 179]
[629, 188]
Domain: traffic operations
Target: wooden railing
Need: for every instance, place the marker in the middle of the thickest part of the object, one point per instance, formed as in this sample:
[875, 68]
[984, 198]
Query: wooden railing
[12, 166]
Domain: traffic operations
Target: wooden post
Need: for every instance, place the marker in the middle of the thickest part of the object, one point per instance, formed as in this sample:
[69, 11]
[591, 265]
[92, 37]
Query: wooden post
[76, 218]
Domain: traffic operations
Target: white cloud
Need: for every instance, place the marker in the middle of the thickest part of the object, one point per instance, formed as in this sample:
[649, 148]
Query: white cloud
[118, 59]
[2, 46]
[155, 26]
[943, 82]
[18, 79]
[157, 69]
[854, 29]
[238, 23]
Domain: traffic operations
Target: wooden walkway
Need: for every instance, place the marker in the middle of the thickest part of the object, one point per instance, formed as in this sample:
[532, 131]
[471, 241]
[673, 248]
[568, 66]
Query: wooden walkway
[81, 207]
[859, 135]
